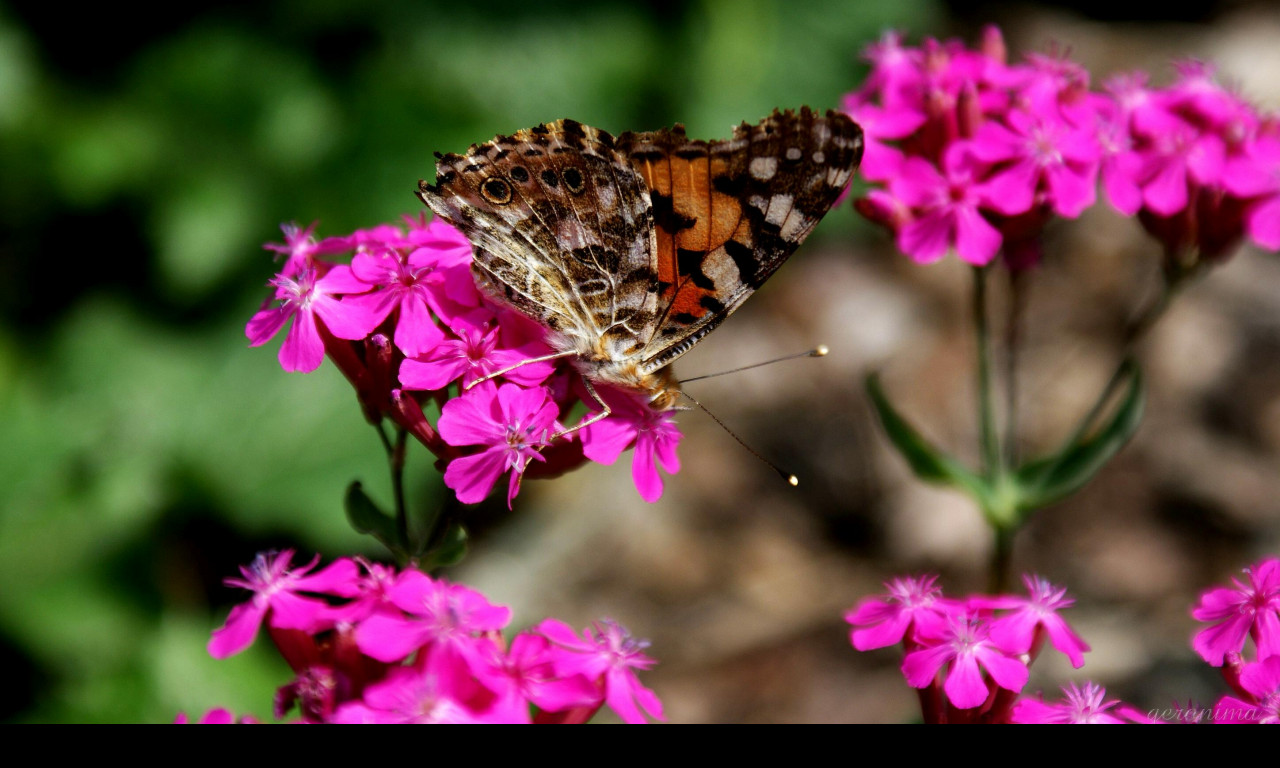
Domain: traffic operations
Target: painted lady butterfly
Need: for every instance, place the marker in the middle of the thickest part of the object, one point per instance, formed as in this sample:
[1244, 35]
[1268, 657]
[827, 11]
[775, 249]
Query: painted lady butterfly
[632, 249]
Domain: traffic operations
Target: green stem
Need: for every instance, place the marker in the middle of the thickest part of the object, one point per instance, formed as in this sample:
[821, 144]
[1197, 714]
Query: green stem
[396, 458]
[1001, 560]
[1013, 341]
[990, 443]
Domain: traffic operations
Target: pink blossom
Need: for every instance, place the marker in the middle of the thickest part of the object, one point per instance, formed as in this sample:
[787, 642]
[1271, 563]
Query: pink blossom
[410, 695]
[609, 655]
[511, 424]
[911, 604]
[1035, 152]
[301, 248]
[946, 210]
[443, 617]
[1082, 706]
[527, 672]
[966, 646]
[275, 595]
[1240, 612]
[1017, 632]
[217, 716]
[1255, 175]
[305, 299]
[1261, 680]
[472, 356]
[633, 423]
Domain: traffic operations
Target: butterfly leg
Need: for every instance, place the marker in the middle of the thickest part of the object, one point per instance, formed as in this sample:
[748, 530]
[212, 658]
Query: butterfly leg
[603, 414]
[520, 364]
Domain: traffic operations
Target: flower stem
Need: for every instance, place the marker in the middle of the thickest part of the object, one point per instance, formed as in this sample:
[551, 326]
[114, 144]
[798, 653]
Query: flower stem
[990, 444]
[1013, 340]
[397, 486]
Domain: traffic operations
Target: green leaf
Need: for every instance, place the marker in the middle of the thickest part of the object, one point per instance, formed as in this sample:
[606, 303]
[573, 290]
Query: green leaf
[451, 550]
[927, 462]
[366, 517]
[1045, 481]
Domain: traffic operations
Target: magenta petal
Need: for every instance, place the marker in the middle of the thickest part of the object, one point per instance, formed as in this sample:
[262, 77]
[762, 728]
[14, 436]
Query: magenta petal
[1121, 189]
[965, 687]
[881, 635]
[444, 364]
[921, 667]
[1206, 160]
[605, 440]
[346, 320]
[1263, 221]
[927, 238]
[472, 477]
[470, 418]
[302, 349]
[341, 280]
[239, 631]
[976, 240]
[1072, 192]
[416, 330]
[388, 639]
[265, 324]
[645, 475]
[1012, 191]
[1066, 641]
[1166, 192]
[1008, 673]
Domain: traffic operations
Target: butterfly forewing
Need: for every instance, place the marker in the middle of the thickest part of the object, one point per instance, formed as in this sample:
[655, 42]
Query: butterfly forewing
[728, 213]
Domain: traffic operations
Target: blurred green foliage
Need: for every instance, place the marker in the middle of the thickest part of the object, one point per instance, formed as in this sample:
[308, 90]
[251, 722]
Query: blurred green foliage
[146, 157]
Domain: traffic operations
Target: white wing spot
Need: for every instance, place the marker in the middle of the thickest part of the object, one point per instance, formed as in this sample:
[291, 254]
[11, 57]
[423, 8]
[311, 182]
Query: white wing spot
[763, 168]
[794, 154]
[819, 158]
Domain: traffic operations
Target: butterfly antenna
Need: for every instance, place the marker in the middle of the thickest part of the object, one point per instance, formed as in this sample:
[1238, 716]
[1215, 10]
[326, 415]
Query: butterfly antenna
[818, 351]
[790, 478]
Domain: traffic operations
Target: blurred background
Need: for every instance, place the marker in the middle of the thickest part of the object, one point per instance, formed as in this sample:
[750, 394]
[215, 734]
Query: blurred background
[147, 451]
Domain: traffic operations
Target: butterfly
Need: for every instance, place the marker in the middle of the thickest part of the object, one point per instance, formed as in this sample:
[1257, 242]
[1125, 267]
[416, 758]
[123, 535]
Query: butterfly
[630, 250]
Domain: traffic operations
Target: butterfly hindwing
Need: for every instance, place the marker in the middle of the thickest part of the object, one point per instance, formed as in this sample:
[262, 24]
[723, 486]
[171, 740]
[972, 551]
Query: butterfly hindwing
[563, 230]
[729, 213]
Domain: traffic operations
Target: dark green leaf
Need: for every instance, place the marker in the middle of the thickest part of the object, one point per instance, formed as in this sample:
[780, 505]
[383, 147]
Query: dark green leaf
[928, 462]
[366, 517]
[452, 549]
[1045, 481]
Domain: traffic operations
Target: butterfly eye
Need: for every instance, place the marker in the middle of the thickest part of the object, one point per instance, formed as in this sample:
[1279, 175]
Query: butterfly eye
[496, 191]
[519, 175]
[573, 180]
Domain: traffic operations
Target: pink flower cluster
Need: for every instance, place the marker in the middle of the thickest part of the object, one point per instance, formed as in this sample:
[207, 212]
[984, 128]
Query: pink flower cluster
[970, 153]
[406, 324]
[370, 644]
[1236, 615]
[969, 658]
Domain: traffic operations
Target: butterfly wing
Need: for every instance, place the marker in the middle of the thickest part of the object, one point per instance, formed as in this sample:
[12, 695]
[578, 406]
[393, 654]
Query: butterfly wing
[563, 231]
[728, 213]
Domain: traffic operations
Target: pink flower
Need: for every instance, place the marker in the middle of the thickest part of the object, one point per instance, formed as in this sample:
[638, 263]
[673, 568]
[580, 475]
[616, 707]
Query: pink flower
[946, 210]
[1017, 632]
[966, 646]
[217, 716]
[511, 423]
[302, 249]
[1244, 611]
[527, 672]
[1256, 175]
[1082, 706]
[911, 604]
[443, 617]
[472, 356]
[1037, 152]
[608, 655]
[633, 423]
[410, 695]
[275, 594]
[305, 299]
[1261, 679]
